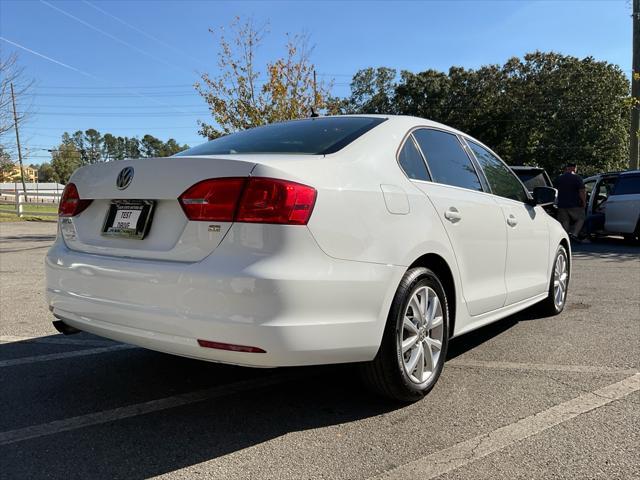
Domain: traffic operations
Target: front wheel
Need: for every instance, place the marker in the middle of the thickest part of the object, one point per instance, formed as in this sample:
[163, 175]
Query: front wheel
[414, 344]
[558, 285]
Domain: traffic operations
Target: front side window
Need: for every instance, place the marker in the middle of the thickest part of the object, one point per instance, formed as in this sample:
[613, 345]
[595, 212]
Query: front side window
[500, 177]
[448, 162]
[627, 185]
[411, 161]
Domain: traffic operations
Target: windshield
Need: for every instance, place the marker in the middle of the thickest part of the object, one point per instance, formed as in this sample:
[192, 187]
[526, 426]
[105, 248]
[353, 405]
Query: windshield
[532, 178]
[313, 136]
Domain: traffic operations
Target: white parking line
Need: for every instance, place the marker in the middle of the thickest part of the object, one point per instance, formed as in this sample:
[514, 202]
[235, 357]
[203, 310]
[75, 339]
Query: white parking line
[55, 340]
[74, 423]
[58, 356]
[474, 449]
[543, 367]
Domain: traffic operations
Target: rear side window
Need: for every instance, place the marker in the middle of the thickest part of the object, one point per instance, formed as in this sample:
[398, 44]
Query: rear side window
[627, 185]
[501, 179]
[313, 136]
[411, 161]
[448, 162]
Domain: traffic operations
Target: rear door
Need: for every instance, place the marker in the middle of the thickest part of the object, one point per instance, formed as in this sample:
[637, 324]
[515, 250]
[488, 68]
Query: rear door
[623, 205]
[526, 273]
[472, 219]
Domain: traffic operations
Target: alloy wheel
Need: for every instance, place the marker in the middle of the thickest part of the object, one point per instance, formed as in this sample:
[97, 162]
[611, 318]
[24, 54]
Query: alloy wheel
[421, 335]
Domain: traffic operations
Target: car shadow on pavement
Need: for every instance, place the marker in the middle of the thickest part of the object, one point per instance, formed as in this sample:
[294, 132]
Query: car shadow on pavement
[608, 248]
[142, 446]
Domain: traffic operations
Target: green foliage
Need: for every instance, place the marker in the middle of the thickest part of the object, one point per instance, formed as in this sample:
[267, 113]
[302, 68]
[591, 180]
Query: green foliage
[46, 173]
[88, 147]
[545, 109]
[237, 99]
[64, 161]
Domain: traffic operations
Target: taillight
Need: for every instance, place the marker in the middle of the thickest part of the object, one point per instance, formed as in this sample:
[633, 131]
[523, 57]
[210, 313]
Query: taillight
[70, 203]
[213, 200]
[252, 200]
[267, 200]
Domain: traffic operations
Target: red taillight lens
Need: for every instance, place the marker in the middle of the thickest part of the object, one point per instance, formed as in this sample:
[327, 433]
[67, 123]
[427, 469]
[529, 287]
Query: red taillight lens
[70, 203]
[267, 200]
[213, 200]
[253, 200]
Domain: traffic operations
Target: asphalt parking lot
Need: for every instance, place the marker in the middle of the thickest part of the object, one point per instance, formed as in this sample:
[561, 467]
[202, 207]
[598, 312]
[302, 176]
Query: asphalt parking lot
[527, 397]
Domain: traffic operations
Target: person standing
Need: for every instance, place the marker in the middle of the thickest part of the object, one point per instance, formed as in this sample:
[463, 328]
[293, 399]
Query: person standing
[572, 200]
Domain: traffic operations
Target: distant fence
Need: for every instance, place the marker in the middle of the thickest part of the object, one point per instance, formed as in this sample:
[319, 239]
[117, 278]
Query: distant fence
[48, 192]
[14, 201]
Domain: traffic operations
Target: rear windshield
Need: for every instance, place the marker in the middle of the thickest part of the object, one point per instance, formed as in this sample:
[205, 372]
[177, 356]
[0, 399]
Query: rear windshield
[314, 136]
[532, 179]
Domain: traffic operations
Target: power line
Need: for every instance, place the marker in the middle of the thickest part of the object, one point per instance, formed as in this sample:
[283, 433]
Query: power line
[137, 94]
[148, 35]
[112, 37]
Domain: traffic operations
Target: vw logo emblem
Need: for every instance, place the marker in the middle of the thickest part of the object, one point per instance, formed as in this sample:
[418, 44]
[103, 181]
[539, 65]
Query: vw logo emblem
[124, 178]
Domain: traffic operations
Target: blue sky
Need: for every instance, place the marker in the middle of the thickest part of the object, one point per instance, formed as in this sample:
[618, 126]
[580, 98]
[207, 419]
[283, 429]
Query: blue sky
[136, 78]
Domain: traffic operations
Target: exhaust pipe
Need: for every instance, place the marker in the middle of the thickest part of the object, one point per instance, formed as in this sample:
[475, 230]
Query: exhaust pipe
[63, 328]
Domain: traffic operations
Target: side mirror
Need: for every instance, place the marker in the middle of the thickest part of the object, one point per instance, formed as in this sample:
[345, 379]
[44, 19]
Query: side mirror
[544, 196]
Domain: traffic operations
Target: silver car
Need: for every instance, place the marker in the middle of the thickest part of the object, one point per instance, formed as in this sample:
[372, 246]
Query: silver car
[613, 205]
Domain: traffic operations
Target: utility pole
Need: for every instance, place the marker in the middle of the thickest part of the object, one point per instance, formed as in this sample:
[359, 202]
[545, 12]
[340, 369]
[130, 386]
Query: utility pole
[635, 88]
[15, 125]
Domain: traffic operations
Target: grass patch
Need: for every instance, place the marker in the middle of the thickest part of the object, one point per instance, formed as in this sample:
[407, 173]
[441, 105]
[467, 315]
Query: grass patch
[12, 217]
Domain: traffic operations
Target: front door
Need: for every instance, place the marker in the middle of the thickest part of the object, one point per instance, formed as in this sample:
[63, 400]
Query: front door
[527, 262]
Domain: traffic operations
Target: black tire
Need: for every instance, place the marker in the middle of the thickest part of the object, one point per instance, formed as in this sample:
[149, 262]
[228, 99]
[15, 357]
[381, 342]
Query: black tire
[386, 374]
[634, 237]
[548, 307]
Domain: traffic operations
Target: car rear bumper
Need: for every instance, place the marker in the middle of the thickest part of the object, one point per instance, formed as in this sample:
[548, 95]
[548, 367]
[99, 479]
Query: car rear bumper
[265, 286]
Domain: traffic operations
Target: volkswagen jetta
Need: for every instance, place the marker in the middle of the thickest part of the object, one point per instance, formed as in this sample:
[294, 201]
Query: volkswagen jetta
[372, 239]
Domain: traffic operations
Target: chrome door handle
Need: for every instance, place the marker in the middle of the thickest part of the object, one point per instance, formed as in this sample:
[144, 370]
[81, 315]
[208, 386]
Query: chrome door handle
[453, 215]
[512, 221]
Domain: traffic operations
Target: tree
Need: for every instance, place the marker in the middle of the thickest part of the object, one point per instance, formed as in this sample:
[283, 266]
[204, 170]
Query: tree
[545, 109]
[64, 161]
[151, 146]
[6, 165]
[238, 101]
[12, 72]
[46, 173]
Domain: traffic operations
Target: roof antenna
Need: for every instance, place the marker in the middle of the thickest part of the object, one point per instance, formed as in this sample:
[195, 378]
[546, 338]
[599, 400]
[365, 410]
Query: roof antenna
[315, 95]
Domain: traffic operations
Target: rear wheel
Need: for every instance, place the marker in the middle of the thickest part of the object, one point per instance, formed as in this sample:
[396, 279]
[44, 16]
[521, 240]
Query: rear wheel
[414, 344]
[554, 303]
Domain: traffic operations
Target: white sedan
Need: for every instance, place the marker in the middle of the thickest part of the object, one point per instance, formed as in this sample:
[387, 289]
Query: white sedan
[372, 239]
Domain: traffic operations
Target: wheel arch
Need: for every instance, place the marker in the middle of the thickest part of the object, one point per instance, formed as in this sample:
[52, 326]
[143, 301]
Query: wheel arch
[441, 268]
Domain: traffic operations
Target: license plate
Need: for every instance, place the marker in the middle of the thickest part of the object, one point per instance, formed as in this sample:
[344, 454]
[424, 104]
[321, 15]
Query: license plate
[129, 218]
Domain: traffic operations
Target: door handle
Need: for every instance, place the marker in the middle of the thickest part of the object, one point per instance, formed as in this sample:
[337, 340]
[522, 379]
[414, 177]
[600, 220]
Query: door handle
[453, 215]
[511, 220]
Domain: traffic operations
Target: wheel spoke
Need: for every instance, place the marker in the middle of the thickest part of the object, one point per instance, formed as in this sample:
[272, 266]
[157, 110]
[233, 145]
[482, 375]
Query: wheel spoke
[409, 343]
[413, 361]
[433, 343]
[428, 354]
[434, 304]
[422, 296]
[419, 371]
[409, 325]
[415, 307]
[437, 321]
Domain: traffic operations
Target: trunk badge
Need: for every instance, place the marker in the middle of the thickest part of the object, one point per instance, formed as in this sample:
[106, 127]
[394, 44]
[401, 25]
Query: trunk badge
[124, 178]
